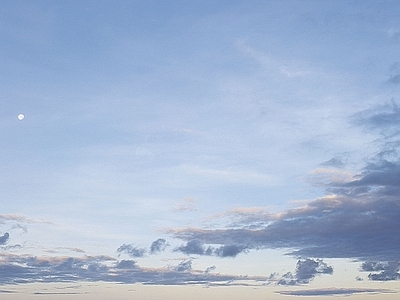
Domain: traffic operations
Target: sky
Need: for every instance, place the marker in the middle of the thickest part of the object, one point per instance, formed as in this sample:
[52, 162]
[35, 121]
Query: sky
[209, 149]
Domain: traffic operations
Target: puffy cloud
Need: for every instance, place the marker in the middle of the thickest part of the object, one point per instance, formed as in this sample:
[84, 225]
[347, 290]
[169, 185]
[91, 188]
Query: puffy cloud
[4, 238]
[131, 250]
[158, 246]
[389, 270]
[306, 270]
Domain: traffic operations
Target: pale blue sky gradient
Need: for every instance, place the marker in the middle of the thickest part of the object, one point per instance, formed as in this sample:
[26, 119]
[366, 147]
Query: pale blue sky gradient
[197, 142]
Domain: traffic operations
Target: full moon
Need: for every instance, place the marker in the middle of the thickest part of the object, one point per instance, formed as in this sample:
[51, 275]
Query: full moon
[21, 117]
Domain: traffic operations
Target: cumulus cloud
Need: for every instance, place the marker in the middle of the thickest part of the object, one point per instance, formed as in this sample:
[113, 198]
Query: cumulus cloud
[389, 270]
[158, 246]
[131, 250]
[306, 270]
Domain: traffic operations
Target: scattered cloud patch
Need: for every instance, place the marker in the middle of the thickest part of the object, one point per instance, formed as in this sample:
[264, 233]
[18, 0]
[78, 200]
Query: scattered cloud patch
[195, 246]
[388, 270]
[184, 266]
[158, 245]
[306, 270]
[131, 250]
[4, 238]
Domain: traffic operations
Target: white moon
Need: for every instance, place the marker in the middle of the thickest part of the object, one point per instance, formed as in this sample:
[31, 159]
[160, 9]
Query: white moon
[21, 117]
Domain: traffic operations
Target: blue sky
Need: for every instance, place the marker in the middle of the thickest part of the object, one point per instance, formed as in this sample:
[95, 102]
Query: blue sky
[170, 145]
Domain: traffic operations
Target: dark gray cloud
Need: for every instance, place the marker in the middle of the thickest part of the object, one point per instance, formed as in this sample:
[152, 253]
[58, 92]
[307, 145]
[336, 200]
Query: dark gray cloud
[332, 292]
[229, 250]
[338, 226]
[306, 270]
[388, 270]
[158, 246]
[131, 250]
[196, 246]
[4, 238]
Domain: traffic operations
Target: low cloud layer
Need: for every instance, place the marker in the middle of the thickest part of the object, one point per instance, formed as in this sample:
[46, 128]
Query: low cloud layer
[27, 269]
[332, 292]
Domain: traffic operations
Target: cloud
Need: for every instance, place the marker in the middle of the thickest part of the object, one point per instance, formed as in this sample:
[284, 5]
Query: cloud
[306, 270]
[195, 246]
[15, 269]
[126, 264]
[18, 218]
[358, 217]
[336, 162]
[4, 238]
[332, 292]
[131, 250]
[229, 250]
[389, 270]
[158, 246]
[184, 266]
[381, 117]
[339, 226]
[209, 269]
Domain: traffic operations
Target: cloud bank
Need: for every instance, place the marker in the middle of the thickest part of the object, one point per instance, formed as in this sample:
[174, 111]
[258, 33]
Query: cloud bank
[358, 217]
